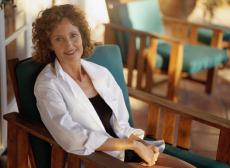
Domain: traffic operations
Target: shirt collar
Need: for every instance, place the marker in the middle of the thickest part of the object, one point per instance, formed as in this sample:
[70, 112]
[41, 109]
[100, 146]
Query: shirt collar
[91, 70]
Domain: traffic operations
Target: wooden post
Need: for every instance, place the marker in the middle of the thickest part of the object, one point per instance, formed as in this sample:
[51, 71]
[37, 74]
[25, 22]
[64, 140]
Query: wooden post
[175, 70]
[73, 161]
[184, 132]
[12, 146]
[57, 158]
[223, 151]
[193, 35]
[217, 39]
[151, 58]
[140, 62]
[153, 120]
[211, 80]
[22, 149]
[131, 57]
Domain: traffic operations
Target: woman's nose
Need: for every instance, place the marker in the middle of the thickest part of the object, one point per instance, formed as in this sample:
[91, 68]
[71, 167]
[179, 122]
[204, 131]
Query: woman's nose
[68, 43]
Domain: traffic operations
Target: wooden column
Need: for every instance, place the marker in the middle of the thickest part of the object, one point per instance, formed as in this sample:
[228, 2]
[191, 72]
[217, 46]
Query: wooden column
[22, 149]
[131, 57]
[12, 146]
[193, 35]
[57, 158]
[153, 120]
[73, 161]
[223, 151]
[217, 39]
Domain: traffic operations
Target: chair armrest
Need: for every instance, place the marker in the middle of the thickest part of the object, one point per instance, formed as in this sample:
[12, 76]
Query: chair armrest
[196, 115]
[119, 28]
[37, 129]
[189, 23]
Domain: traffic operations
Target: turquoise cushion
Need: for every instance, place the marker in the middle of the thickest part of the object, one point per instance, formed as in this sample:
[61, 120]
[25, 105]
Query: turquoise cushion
[26, 74]
[147, 18]
[196, 57]
[109, 56]
[194, 159]
[205, 35]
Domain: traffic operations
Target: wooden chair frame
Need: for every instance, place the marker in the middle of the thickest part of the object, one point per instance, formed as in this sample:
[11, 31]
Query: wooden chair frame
[19, 128]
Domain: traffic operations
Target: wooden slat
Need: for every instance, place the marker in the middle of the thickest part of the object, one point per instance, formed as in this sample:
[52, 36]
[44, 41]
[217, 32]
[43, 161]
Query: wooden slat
[12, 146]
[175, 70]
[211, 80]
[153, 120]
[184, 133]
[22, 149]
[109, 36]
[217, 39]
[73, 161]
[140, 62]
[57, 157]
[174, 73]
[193, 35]
[169, 124]
[31, 157]
[197, 115]
[151, 58]
[223, 151]
[131, 57]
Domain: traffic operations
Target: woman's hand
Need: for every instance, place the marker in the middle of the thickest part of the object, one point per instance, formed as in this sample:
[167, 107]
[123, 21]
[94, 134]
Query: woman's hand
[145, 152]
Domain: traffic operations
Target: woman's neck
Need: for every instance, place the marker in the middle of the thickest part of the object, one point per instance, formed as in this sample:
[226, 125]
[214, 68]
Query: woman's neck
[74, 69]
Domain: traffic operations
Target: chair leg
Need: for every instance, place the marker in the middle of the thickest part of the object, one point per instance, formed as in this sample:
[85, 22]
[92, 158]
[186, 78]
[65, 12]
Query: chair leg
[58, 157]
[223, 151]
[11, 146]
[211, 79]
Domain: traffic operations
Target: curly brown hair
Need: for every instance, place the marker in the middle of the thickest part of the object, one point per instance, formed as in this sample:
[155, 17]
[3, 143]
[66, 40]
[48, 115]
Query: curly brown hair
[48, 20]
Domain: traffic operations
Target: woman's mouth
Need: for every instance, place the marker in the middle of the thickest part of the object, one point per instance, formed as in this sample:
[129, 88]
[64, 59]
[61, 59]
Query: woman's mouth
[70, 52]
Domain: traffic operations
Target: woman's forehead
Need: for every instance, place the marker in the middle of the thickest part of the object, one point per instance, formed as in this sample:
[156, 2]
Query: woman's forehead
[64, 26]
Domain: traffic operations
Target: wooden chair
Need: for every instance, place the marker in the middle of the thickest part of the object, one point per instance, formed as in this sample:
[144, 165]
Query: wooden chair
[143, 20]
[205, 36]
[31, 145]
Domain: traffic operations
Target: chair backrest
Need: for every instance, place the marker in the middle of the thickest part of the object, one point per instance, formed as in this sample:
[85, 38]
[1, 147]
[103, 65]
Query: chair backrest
[25, 74]
[142, 15]
[109, 56]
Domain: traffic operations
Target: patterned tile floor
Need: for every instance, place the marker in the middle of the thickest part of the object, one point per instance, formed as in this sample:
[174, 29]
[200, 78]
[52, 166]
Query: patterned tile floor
[192, 95]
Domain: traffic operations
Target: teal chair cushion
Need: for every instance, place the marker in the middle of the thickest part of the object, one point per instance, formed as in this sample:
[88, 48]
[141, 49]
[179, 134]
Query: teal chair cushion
[193, 158]
[127, 16]
[109, 56]
[196, 57]
[205, 35]
[26, 73]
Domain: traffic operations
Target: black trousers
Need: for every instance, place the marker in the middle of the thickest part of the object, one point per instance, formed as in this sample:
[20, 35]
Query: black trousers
[131, 156]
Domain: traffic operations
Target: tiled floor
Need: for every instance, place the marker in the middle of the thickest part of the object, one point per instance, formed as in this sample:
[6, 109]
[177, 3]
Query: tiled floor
[204, 139]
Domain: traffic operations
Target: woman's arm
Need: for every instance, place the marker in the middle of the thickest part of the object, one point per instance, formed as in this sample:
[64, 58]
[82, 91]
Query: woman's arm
[116, 144]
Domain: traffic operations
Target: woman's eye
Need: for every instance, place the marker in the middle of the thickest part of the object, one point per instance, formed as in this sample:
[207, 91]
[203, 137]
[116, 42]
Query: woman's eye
[58, 39]
[74, 35]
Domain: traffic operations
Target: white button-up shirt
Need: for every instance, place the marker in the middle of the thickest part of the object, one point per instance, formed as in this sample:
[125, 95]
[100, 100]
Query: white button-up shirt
[70, 117]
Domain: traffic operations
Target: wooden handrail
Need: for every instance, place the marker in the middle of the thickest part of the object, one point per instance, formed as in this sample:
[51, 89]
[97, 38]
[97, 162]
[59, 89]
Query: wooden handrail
[185, 22]
[197, 115]
[139, 32]
[99, 159]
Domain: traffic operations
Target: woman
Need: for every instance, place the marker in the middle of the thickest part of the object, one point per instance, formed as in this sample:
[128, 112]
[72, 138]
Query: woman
[79, 102]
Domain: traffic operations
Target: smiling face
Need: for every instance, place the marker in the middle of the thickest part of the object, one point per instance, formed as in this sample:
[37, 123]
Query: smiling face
[66, 41]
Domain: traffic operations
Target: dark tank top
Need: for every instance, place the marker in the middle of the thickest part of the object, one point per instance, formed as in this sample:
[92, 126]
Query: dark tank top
[105, 112]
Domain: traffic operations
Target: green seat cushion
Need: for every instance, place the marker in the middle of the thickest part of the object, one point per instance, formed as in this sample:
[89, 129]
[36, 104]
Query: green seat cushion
[147, 19]
[193, 158]
[109, 56]
[205, 35]
[26, 74]
[196, 57]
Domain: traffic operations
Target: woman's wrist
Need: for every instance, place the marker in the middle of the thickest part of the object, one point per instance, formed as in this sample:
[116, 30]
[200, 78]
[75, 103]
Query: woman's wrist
[131, 144]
